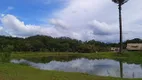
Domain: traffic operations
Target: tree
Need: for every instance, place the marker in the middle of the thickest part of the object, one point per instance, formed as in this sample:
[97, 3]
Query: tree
[120, 3]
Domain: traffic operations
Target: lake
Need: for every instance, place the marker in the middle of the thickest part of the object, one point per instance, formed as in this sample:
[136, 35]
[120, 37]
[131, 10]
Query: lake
[100, 67]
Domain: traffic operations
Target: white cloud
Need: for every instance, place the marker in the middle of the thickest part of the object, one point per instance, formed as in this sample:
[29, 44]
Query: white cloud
[85, 20]
[102, 17]
[58, 23]
[2, 31]
[14, 27]
[2, 15]
[102, 28]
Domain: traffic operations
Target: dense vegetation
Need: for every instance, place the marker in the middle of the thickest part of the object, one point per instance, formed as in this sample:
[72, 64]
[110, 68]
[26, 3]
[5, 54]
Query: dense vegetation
[63, 44]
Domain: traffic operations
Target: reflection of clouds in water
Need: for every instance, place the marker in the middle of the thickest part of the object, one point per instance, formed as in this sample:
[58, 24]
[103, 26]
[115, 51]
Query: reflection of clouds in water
[132, 70]
[102, 67]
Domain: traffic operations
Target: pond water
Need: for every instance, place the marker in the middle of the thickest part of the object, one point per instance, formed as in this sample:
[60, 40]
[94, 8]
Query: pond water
[102, 67]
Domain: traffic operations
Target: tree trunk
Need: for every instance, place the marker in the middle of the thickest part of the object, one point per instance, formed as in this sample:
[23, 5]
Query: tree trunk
[120, 28]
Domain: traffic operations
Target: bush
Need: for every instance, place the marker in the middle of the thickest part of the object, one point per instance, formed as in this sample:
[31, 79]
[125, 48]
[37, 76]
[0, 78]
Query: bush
[5, 55]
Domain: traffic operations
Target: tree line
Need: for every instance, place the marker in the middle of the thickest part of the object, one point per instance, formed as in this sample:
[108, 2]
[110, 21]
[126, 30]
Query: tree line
[62, 44]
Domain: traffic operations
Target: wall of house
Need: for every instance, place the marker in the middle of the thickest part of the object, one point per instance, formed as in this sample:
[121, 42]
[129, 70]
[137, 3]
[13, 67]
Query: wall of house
[134, 46]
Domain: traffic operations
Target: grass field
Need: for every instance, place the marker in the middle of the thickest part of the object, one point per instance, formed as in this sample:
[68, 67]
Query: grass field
[9, 71]
[20, 72]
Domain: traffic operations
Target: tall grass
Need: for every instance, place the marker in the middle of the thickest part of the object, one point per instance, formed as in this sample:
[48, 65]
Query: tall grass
[5, 54]
[5, 57]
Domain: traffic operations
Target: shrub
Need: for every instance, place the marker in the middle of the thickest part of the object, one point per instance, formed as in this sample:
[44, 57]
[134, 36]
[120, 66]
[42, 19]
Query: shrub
[5, 55]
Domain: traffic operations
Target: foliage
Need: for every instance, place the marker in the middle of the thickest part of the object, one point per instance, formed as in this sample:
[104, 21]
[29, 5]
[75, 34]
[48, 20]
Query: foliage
[5, 55]
[46, 43]
[40, 43]
[121, 2]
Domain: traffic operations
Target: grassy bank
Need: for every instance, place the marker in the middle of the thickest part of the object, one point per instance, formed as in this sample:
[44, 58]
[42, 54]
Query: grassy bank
[129, 57]
[21, 72]
[11, 71]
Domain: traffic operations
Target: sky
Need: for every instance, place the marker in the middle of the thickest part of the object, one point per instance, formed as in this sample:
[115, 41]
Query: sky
[78, 19]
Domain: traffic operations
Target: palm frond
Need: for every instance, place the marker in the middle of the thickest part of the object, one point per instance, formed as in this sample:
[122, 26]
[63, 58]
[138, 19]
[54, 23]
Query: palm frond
[115, 1]
[121, 2]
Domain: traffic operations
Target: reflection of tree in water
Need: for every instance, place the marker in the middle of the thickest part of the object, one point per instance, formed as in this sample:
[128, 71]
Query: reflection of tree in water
[108, 73]
[141, 66]
[121, 69]
[53, 58]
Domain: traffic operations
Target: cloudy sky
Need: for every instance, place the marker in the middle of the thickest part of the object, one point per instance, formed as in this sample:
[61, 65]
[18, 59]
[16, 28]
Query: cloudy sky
[79, 19]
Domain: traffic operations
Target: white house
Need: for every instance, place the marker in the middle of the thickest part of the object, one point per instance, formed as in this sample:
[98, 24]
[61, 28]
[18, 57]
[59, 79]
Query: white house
[134, 46]
[114, 49]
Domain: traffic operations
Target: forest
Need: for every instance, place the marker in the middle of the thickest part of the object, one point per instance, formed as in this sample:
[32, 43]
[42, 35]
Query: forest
[41, 43]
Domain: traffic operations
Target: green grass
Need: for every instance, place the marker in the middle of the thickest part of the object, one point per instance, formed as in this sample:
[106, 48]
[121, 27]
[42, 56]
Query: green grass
[9, 71]
[20, 72]
[129, 57]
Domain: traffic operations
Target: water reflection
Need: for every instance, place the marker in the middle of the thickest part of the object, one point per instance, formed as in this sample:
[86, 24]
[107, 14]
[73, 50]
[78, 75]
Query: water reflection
[51, 58]
[121, 69]
[103, 67]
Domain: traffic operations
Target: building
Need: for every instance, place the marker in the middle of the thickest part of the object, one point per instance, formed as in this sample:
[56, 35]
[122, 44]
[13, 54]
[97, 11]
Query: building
[134, 46]
[114, 49]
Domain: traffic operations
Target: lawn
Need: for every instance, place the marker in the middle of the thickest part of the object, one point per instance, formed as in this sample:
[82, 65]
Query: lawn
[21, 72]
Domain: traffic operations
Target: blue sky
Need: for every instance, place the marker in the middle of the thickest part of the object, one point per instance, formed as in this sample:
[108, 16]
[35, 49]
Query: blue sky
[79, 19]
[30, 11]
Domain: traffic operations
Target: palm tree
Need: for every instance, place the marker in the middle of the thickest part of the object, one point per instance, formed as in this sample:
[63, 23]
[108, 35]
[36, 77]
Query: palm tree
[120, 3]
